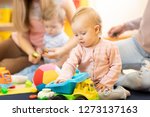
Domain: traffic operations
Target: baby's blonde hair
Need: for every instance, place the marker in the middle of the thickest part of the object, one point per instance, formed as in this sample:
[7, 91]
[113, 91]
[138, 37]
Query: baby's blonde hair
[91, 14]
[56, 11]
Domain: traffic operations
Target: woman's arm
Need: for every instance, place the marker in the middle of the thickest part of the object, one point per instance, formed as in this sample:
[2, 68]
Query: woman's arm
[26, 46]
[133, 24]
[118, 30]
[69, 8]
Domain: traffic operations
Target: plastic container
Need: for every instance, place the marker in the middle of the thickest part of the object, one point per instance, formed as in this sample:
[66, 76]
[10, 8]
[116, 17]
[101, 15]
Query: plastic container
[68, 86]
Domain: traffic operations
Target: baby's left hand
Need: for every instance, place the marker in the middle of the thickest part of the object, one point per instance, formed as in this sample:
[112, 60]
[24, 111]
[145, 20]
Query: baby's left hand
[46, 53]
[101, 87]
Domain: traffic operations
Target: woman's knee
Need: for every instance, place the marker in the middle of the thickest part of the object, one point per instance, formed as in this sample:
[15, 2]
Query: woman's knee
[15, 64]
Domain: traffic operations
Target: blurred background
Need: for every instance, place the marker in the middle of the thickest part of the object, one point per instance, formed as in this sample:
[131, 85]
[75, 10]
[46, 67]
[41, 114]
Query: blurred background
[112, 12]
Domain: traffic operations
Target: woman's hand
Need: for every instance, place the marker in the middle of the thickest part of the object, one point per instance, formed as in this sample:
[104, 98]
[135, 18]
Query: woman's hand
[116, 31]
[35, 58]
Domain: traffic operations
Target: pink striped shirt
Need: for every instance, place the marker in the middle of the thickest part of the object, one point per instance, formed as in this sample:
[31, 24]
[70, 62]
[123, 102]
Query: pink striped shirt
[36, 29]
[102, 62]
[35, 35]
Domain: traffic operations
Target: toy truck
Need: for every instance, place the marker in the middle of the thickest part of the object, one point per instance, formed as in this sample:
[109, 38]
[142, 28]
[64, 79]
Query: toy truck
[5, 80]
[80, 87]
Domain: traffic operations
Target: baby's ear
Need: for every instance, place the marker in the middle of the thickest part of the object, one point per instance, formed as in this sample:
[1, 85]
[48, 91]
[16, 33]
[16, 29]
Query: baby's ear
[97, 29]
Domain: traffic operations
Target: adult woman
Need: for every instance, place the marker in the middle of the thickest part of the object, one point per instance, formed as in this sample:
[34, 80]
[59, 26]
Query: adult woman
[135, 51]
[30, 30]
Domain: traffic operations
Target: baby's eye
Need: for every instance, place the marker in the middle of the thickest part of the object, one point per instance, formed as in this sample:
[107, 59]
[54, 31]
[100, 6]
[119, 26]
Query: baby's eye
[75, 35]
[83, 33]
[53, 26]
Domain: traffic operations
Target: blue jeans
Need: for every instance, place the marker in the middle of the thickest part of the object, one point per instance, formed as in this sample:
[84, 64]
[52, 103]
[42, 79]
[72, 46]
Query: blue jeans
[132, 54]
[29, 71]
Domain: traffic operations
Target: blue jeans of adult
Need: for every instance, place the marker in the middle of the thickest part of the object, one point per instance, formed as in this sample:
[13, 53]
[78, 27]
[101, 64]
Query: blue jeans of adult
[29, 71]
[132, 54]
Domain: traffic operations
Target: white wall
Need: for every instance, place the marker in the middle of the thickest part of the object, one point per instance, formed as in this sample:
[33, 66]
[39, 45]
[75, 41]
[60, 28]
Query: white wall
[114, 12]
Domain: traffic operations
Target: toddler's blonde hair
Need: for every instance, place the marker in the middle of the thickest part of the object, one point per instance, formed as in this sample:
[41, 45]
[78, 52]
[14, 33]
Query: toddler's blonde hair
[55, 11]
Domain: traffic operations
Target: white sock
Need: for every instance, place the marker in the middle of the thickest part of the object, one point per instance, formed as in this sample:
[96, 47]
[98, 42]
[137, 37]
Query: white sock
[19, 79]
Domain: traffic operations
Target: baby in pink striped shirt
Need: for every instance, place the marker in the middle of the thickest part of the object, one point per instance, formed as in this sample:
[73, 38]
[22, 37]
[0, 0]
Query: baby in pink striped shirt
[100, 58]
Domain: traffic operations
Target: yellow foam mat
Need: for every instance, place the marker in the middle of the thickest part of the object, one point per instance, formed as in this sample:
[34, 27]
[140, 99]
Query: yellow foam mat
[19, 89]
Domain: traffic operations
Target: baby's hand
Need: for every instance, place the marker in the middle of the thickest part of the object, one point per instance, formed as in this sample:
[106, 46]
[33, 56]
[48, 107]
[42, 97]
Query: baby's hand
[101, 87]
[59, 80]
[45, 50]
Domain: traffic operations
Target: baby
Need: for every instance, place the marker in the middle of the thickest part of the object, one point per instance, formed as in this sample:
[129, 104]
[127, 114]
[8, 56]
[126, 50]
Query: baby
[100, 58]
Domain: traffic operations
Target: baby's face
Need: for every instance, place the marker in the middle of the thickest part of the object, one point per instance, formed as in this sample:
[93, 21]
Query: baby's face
[85, 32]
[53, 27]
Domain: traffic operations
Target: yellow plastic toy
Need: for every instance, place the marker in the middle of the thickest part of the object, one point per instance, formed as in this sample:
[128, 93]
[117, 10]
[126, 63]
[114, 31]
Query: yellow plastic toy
[86, 89]
[5, 17]
[79, 87]
[5, 80]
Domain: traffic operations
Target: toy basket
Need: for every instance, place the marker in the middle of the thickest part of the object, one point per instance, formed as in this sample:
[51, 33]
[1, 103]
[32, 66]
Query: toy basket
[68, 86]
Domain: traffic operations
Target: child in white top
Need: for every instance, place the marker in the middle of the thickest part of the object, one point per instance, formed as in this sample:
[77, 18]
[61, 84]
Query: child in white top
[53, 20]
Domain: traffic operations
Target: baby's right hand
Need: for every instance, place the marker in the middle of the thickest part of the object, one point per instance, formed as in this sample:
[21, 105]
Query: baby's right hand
[59, 80]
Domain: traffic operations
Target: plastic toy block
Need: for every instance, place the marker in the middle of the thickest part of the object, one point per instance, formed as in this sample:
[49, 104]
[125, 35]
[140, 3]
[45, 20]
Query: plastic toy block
[4, 90]
[28, 83]
[45, 94]
[5, 79]
[32, 96]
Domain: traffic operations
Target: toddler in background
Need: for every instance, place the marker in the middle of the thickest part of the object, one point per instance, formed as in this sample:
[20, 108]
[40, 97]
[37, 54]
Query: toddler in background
[53, 20]
[100, 58]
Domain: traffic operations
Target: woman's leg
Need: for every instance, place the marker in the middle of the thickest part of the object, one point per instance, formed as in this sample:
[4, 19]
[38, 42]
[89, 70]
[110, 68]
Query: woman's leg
[130, 55]
[138, 80]
[133, 57]
[131, 80]
[15, 65]
[12, 57]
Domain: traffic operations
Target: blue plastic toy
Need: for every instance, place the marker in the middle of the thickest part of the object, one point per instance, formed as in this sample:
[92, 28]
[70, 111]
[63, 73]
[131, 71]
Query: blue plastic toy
[68, 86]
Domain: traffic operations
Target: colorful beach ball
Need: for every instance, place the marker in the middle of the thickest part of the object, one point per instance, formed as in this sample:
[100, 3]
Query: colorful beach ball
[45, 74]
